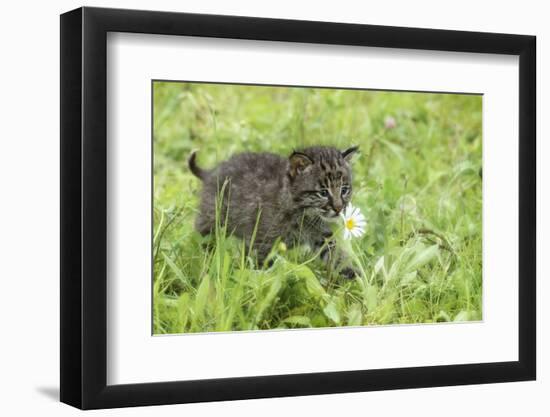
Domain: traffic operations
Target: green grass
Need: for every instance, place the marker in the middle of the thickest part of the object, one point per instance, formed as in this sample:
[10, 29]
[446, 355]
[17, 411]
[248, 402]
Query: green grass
[417, 183]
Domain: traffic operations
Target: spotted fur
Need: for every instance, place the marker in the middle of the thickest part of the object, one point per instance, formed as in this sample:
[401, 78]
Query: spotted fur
[292, 199]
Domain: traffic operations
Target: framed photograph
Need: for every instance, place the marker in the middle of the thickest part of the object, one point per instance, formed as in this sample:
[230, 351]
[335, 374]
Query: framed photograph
[256, 208]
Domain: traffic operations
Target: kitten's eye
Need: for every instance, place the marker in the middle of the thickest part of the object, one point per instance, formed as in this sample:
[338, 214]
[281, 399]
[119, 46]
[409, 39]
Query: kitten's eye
[345, 190]
[323, 193]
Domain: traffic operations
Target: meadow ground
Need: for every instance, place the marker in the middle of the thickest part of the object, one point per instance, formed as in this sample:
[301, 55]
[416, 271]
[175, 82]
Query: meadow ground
[417, 181]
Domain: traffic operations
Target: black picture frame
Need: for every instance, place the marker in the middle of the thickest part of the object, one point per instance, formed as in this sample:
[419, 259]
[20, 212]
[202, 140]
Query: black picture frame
[84, 207]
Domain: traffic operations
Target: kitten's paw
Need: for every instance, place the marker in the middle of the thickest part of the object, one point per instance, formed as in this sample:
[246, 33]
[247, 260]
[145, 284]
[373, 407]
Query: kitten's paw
[349, 273]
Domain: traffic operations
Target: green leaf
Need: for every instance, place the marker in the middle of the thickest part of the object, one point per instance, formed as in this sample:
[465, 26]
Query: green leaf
[408, 278]
[442, 316]
[464, 316]
[354, 315]
[332, 312]
[183, 310]
[313, 285]
[202, 298]
[421, 258]
[269, 298]
[175, 268]
[379, 266]
[298, 321]
[371, 297]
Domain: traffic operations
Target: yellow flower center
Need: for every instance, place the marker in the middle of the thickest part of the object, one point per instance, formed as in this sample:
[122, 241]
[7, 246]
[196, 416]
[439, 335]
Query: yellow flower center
[350, 224]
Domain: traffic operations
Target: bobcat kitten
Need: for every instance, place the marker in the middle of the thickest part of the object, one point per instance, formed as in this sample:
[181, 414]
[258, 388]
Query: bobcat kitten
[291, 199]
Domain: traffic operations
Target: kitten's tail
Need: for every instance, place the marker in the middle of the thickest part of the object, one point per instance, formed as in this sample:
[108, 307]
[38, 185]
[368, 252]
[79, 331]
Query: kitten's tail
[195, 169]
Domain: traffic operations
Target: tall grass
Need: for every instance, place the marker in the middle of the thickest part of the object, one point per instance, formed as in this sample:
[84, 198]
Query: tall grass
[417, 181]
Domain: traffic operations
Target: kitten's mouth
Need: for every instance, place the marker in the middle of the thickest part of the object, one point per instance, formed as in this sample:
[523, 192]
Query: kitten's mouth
[330, 216]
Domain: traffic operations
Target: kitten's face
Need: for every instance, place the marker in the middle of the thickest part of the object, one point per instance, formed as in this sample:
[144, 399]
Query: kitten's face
[321, 180]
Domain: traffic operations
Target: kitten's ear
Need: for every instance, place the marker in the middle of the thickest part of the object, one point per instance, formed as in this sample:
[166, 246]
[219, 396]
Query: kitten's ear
[348, 153]
[298, 163]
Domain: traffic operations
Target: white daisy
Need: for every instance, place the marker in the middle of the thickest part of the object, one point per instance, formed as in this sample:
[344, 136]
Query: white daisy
[354, 222]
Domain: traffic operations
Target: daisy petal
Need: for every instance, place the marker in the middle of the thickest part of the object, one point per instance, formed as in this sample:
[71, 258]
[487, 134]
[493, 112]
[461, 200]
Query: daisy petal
[348, 211]
[347, 234]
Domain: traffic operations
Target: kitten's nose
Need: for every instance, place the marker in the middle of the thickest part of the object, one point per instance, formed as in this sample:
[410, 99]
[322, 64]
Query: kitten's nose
[338, 208]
